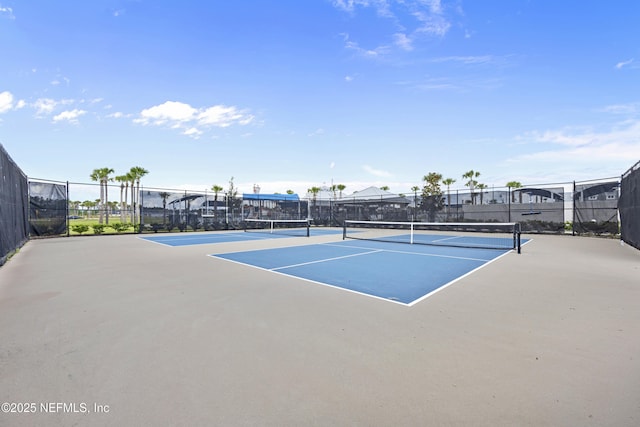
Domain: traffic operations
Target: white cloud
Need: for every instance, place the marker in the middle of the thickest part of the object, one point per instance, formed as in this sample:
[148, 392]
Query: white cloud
[46, 106]
[178, 115]
[621, 64]
[367, 53]
[193, 132]
[222, 116]
[349, 5]
[170, 111]
[632, 108]
[69, 116]
[411, 18]
[376, 172]
[403, 42]
[620, 143]
[467, 60]
[6, 102]
[433, 23]
[6, 12]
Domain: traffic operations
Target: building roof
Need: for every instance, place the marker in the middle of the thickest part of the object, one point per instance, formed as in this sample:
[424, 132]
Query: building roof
[372, 194]
[271, 197]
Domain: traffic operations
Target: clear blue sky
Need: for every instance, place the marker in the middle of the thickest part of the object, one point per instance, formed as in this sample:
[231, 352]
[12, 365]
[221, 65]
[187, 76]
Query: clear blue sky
[291, 94]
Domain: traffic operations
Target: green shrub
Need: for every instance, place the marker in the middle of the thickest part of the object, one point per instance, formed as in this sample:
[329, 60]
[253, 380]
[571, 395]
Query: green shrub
[80, 228]
[120, 226]
[98, 228]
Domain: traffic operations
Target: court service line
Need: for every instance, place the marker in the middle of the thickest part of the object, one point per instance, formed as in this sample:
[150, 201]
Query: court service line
[325, 260]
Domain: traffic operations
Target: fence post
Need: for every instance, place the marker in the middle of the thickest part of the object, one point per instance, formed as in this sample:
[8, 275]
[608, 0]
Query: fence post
[67, 216]
[509, 198]
[573, 210]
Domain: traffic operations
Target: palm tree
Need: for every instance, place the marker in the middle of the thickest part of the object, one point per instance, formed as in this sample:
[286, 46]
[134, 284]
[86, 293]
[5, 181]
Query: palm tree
[73, 207]
[341, 188]
[432, 199]
[127, 179]
[135, 175]
[314, 194]
[164, 196]
[448, 182]
[514, 184]
[415, 190]
[102, 175]
[385, 188]
[112, 206]
[471, 183]
[86, 205]
[122, 179]
[232, 201]
[481, 187]
[216, 189]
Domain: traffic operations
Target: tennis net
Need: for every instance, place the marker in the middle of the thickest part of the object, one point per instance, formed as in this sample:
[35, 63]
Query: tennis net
[290, 227]
[490, 235]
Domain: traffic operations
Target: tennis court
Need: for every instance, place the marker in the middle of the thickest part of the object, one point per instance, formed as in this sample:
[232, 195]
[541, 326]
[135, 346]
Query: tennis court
[164, 335]
[394, 272]
[187, 239]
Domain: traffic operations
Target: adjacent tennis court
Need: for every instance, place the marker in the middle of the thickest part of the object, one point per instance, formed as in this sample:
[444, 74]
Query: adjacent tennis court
[188, 239]
[394, 272]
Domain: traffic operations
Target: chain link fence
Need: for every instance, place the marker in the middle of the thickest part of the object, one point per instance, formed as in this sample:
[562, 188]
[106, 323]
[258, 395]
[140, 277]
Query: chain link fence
[584, 208]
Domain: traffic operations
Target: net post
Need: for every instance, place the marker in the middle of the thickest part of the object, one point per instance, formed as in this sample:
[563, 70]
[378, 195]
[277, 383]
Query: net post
[344, 230]
[411, 238]
[308, 229]
[517, 239]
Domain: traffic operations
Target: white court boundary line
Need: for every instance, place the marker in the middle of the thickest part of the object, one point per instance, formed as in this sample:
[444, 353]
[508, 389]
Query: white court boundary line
[242, 237]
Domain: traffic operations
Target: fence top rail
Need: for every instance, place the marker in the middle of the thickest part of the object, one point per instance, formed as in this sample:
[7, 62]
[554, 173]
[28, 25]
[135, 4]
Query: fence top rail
[631, 170]
[407, 194]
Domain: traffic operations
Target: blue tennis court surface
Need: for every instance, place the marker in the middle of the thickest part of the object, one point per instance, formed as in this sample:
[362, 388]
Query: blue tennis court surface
[187, 239]
[396, 272]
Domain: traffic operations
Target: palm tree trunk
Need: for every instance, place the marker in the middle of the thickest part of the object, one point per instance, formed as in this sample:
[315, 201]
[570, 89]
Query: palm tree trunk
[101, 204]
